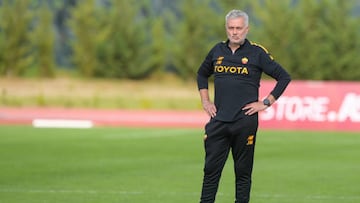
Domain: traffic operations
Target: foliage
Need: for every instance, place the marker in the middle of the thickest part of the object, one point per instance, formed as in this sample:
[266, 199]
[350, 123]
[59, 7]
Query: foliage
[15, 44]
[86, 29]
[312, 39]
[110, 41]
[123, 49]
[194, 36]
[158, 58]
[43, 42]
[316, 40]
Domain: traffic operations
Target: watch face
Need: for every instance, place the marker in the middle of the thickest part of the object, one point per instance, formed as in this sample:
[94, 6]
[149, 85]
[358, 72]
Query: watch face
[266, 102]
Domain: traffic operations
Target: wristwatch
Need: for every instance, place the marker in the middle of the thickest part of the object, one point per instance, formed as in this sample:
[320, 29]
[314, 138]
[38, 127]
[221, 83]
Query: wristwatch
[266, 102]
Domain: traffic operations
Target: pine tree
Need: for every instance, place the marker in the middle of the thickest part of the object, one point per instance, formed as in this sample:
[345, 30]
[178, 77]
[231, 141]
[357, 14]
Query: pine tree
[84, 23]
[43, 42]
[15, 44]
[315, 40]
[194, 35]
[123, 46]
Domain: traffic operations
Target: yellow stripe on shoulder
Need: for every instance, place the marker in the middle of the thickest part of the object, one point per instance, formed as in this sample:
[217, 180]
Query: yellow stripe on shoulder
[263, 48]
[259, 45]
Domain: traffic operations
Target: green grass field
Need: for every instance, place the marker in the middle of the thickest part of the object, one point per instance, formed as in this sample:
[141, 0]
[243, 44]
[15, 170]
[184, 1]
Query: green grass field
[127, 165]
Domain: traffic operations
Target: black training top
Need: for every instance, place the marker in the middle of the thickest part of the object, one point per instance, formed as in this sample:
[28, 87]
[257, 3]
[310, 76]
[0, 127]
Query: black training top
[237, 77]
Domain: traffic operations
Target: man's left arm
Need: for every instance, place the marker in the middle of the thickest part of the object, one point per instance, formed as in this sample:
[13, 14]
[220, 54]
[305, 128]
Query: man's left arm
[276, 71]
[282, 77]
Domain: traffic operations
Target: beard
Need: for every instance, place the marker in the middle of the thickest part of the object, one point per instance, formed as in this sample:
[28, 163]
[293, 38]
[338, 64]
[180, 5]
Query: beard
[237, 40]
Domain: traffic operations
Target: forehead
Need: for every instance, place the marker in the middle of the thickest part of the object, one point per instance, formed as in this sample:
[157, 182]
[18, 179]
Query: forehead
[236, 22]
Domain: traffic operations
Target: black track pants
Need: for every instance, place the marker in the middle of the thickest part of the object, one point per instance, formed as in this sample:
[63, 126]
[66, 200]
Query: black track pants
[220, 137]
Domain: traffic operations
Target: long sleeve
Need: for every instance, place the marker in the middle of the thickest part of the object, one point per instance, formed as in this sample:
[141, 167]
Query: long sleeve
[205, 71]
[276, 71]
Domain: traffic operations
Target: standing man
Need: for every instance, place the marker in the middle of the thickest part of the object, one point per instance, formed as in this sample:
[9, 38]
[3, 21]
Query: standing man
[237, 65]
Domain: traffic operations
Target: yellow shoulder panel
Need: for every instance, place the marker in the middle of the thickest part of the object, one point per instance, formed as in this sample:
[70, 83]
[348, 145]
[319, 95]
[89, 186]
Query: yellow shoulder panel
[263, 48]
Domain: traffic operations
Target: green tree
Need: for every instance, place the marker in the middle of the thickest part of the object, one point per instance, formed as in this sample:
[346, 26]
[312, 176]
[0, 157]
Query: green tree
[85, 25]
[339, 44]
[43, 42]
[278, 29]
[313, 46]
[158, 58]
[315, 40]
[15, 26]
[110, 41]
[123, 49]
[194, 35]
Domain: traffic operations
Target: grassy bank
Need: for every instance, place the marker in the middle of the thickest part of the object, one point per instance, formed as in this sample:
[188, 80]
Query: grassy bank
[160, 93]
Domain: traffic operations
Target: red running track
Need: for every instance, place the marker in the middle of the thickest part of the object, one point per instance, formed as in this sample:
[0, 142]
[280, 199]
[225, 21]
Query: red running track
[123, 118]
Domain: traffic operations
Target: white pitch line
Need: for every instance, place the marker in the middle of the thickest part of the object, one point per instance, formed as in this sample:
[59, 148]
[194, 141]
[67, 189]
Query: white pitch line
[70, 191]
[97, 192]
[311, 197]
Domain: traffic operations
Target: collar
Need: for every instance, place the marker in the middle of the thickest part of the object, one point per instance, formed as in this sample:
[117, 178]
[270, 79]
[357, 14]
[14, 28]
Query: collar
[246, 41]
[241, 45]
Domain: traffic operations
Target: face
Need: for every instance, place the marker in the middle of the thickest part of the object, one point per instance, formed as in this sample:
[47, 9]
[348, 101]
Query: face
[236, 30]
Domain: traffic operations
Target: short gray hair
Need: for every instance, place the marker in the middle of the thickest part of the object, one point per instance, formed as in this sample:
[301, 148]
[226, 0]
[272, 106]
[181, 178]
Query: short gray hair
[237, 14]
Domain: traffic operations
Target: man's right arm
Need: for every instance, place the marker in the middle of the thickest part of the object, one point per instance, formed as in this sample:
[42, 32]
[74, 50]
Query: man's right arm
[203, 74]
[207, 105]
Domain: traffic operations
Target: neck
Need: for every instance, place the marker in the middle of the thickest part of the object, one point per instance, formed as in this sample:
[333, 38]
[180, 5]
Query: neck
[231, 44]
[234, 46]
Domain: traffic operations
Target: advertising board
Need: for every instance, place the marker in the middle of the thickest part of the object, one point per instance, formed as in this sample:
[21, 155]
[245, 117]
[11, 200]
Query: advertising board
[314, 105]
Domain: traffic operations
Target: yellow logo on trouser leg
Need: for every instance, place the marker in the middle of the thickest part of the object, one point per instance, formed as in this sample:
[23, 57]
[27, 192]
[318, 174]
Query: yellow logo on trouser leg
[205, 137]
[250, 140]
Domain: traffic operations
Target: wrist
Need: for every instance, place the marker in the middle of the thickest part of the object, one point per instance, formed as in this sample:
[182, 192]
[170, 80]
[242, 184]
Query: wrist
[266, 102]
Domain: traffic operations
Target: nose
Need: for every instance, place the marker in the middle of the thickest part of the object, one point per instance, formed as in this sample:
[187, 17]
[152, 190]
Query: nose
[234, 32]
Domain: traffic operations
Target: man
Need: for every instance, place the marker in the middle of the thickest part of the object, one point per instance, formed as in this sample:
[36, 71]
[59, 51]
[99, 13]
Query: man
[237, 65]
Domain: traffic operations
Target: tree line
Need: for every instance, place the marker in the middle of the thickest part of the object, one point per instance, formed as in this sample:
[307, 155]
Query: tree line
[317, 40]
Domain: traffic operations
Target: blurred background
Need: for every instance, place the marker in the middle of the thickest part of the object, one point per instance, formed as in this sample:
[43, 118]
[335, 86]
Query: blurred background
[49, 45]
[137, 39]
[132, 64]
